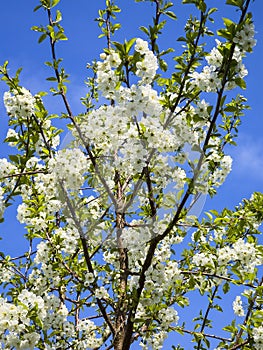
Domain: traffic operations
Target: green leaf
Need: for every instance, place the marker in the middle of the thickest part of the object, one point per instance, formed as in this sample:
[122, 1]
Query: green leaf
[118, 46]
[145, 30]
[116, 26]
[228, 22]
[241, 83]
[128, 44]
[166, 6]
[181, 38]
[188, 1]
[61, 36]
[224, 33]
[49, 64]
[230, 108]
[14, 158]
[37, 29]
[171, 14]
[218, 307]
[51, 79]
[42, 93]
[231, 328]
[37, 8]
[212, 10]
[201, 5]
[42, 38]
[58, 16]
[237, 3]
[196, 148]
[54, 3]
[163, 65]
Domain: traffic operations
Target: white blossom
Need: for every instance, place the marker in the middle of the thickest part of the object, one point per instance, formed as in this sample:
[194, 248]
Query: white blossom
[245, 37]
[208, 80]
[19, 103]
[237, 306]
[257, 333]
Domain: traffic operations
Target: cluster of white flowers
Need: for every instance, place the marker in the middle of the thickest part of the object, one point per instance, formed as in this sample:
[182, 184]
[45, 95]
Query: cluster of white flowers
[47, 186]
[64, 240]
[257, 334]
[22, 105]
[146, 69]
[241, 251]
[30, 300]
[221, 172]
[6, 271]
[57, 312]
[207, 178]
[88, 329]
[106, 76]
[69, 239]
[17, 320]
[245, 37]
[53, 141]
[169, 316]
[42, 254]
[155, 341]
[115, 130]
[6, 168]
[215, 58]
[44, 248]
[19, 104]
[203, 259]
[69, 166]
[135, 238]
[237, 306]
[208, 80]
[162, 275]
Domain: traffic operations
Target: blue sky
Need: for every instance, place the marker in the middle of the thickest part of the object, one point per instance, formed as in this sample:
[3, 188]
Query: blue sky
[19, 46]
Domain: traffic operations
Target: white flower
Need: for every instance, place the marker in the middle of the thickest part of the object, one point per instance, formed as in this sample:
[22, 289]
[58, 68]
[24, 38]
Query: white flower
[141, 46]
[237, 306]
[201, 109]
[23, 214]
[257, 334]
[101, 293]
[214, 58]
[202, 259]
[89, 278]
[168, 316]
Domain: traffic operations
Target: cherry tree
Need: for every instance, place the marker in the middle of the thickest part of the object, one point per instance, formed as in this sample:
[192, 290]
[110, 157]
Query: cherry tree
[115, 255]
